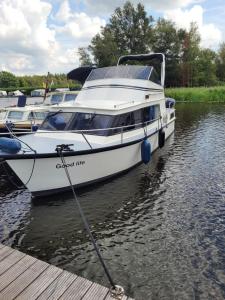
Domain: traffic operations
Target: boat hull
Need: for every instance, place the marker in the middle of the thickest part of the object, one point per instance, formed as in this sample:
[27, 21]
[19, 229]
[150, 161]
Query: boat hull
[48, 173]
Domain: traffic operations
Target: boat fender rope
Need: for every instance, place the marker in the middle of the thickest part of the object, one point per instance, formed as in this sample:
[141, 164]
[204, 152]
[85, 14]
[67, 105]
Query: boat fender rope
[59, 149]
[117, 292]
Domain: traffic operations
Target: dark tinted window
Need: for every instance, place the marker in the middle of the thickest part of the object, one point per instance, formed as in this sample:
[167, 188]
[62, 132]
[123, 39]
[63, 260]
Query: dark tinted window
[57, 121]
[88, 121]
[150, 113]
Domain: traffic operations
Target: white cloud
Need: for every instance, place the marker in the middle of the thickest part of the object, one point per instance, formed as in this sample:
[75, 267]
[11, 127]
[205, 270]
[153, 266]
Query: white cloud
[64, 13]
[107, 7]
[24, 34]
[77, 25]
[211, 36]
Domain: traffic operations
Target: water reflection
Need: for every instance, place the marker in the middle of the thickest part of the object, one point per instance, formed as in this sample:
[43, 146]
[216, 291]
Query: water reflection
[160, 227]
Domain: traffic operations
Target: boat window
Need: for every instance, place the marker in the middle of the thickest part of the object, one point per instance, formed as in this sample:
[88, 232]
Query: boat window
[57, 98]
[129, 71]
[70, 97]
[39, 115]
[154, 77]
[17, 115]
[88, 121]
[57, 121]
[124, 120]
[150, 113]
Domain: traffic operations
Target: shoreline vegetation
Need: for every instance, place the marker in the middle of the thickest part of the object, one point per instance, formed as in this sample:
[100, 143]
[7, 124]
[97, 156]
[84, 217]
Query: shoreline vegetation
[214, 94]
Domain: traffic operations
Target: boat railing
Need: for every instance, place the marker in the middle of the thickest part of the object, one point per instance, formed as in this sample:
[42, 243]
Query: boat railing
[84, 132]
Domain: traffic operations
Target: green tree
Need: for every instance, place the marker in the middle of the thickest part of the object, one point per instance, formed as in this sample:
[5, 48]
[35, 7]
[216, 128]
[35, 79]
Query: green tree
[190, 53]
[220, 63]
[168, 39]
[84, 57]
[8, 79]
[129, 31]
[206, 68]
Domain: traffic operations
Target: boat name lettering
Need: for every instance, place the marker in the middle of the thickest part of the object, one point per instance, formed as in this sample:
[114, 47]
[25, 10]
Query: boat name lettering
[73, 164]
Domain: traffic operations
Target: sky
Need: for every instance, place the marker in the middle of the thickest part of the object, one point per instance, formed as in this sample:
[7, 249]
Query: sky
[37, 36]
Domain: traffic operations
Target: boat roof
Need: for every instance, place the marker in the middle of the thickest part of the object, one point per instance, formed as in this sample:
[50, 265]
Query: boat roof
[27, 108]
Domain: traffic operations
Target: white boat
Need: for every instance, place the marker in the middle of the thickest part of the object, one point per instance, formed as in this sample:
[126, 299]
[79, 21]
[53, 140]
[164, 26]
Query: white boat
[38, 93]
[58, 97]
[24, 117]
[118, 119]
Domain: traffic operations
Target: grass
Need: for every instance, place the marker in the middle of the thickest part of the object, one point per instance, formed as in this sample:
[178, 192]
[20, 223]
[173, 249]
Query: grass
[197, 94]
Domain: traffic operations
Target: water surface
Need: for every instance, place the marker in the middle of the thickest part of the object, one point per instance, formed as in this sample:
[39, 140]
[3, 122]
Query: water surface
[161, 227]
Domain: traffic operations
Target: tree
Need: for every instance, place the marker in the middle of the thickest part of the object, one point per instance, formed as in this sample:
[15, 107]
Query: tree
[220, 63]
[84, 57]
[8, 79]
[206, 68]
[168, 40]
[191, 49]
[129, 31]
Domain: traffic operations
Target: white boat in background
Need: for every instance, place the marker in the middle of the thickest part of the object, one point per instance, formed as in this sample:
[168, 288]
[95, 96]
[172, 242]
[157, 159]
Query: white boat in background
[3, 93]
[38, 93]
[23, 118]
[119, 118]
[15, 93]
[59, 97]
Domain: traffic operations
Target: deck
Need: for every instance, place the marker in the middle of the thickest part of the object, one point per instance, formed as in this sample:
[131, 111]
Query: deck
[25, 277]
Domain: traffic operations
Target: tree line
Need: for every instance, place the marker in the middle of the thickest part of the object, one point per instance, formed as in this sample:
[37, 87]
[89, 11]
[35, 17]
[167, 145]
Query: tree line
[10, 81]
[130, 30]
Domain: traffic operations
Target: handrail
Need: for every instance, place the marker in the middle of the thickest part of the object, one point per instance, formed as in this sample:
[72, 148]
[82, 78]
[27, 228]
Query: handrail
[40, 131]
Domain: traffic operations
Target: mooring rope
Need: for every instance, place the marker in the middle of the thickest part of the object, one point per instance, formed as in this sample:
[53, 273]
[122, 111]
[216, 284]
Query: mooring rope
[59, 150]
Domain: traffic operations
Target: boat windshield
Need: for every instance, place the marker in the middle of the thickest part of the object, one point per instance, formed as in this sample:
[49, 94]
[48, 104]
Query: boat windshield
[15, 115]
[70, 97]
[129, 71]
[56, 98]
[77, 121]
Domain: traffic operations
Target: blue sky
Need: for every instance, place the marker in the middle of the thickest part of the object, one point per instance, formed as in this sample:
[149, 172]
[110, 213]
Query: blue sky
[37, 36]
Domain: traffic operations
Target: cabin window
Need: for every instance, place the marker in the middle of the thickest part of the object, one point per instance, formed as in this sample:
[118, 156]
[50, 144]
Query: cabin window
[57, 98]
[57, 121]
[70, 97]
[16, 115]
[150, 113]
[39, 115]
[88, 121]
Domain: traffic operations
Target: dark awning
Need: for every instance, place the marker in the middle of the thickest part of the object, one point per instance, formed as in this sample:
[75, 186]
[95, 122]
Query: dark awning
[141, 57]
[80, 74]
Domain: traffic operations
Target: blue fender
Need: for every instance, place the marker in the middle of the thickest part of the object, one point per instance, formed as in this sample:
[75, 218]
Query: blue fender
[146, 151]
[11, 146]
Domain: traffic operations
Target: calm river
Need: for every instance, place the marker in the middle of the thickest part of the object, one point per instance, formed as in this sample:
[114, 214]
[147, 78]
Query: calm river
[161, 227]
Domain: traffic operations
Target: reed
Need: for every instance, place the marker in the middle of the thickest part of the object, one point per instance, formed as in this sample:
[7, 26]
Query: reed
[197, 94]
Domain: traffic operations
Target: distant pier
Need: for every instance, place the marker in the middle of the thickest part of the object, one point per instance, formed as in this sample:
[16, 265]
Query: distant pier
[27, 278]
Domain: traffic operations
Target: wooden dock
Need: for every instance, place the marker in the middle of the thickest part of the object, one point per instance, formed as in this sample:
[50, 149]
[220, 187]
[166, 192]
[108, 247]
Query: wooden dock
[24, 277]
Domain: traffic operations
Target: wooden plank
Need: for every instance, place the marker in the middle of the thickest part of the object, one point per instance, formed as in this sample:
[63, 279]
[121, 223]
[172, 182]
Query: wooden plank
[96, 292]
[17, 269]
[4, 252]
[1, 246]
[10, 260]
[58, 286]
[21, 282]
[77, 289]
[40, 284]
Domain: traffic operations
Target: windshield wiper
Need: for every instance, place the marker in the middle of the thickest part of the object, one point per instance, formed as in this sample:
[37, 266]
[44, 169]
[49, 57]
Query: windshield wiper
[53, 114]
